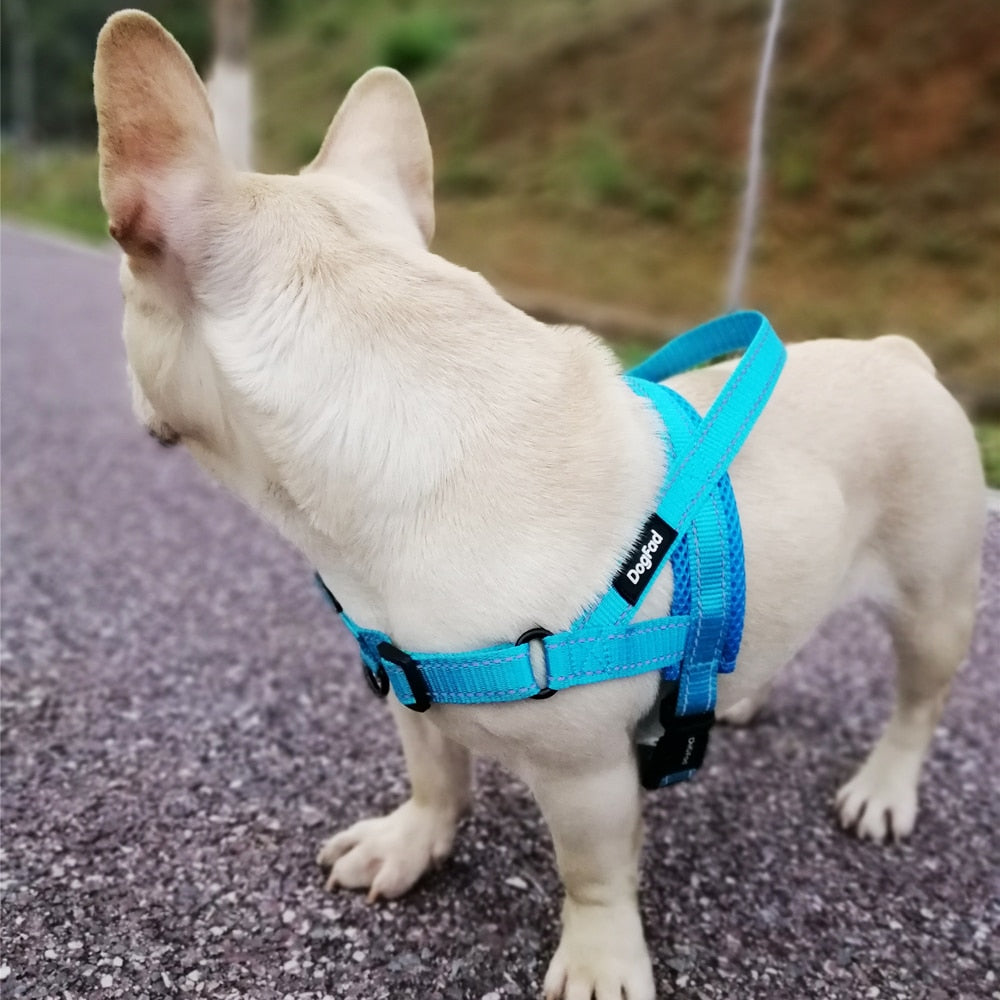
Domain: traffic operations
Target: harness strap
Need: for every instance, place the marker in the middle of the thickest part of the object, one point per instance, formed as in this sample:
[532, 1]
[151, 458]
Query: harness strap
[504, 672]
[604, 643]
[709, 585]
[695, 468]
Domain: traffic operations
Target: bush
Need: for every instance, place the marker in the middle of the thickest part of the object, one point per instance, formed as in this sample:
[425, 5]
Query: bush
[943, 247]
[658, 203]
[868, 237]
[605, 174]
[462, 176]
[796, 171]
[988, 436]
[858, 200]
[417, 42]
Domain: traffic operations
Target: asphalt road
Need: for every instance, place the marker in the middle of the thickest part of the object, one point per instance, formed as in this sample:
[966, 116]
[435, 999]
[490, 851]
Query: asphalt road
[184, 721]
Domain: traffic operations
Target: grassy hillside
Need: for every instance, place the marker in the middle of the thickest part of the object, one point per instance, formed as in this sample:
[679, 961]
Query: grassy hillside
[595, 149]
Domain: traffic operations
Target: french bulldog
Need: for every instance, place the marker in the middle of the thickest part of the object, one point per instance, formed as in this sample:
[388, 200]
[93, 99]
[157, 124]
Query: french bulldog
[459, 472]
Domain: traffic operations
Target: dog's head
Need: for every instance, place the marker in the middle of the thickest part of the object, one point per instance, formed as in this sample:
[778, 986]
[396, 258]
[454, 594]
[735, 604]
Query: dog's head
[224, 271]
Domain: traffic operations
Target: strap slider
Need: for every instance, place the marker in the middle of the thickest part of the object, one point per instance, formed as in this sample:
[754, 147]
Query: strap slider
[531, 635]
[411, 670]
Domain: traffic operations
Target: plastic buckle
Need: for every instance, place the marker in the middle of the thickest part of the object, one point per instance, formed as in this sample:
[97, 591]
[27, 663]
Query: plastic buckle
[680, 751]
[531, 635]
[411, 670]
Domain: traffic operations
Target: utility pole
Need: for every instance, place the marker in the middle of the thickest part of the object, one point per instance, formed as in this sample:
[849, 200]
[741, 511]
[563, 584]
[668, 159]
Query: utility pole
[230, 81]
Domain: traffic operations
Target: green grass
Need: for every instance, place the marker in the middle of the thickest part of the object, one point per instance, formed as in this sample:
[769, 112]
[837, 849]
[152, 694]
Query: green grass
[54, 188]
[988, 435]
[604, 171]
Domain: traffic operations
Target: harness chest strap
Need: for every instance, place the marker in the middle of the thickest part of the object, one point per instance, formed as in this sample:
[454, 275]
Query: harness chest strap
[695, 524]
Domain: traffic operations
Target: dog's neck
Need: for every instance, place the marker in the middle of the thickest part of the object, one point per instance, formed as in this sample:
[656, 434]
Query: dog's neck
[472, 472]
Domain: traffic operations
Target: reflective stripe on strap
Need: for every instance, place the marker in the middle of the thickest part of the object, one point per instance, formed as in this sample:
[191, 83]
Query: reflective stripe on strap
[504, 673]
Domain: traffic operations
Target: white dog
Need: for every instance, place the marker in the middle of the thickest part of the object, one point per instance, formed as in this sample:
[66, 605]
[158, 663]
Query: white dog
[459, 473]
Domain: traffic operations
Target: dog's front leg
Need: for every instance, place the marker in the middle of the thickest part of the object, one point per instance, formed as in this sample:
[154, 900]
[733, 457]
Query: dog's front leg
[597, 829]
[386, 855]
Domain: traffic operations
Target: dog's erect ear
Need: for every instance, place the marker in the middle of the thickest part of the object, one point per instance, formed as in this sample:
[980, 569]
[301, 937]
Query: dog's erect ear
[378, 138]
[157, 143]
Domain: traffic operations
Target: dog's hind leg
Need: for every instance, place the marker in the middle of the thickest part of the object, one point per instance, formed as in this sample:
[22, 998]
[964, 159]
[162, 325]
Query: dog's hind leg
[387, 854]
[746, 709]
[927, 548]
[931, 629]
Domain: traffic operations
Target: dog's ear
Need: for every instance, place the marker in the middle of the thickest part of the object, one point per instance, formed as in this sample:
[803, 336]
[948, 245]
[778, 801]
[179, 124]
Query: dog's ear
[156, 139]
[378, 138]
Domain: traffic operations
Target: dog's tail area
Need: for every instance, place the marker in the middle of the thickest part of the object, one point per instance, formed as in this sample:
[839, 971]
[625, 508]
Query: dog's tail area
[230, 83]
[903, 347]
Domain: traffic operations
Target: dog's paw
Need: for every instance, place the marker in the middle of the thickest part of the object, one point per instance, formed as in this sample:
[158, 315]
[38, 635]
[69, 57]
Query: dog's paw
[387, 855]
[880, 802]
[602, 955]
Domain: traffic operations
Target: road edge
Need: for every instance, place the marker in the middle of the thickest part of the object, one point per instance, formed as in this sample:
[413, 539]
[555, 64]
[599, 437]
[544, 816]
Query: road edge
[64, 241]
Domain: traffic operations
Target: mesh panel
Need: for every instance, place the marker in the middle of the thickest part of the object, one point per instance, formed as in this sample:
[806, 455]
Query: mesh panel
[680, 561]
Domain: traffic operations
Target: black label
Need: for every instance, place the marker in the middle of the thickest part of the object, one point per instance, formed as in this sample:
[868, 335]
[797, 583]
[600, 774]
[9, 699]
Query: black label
[638, 569]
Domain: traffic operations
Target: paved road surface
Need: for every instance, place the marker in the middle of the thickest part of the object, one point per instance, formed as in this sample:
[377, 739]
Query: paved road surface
[184, 721]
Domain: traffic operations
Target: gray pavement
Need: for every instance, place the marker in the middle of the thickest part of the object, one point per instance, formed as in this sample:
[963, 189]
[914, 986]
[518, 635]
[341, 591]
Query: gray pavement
[183, 721]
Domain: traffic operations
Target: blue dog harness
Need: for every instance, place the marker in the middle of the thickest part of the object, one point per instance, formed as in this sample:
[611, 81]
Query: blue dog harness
[695, 526]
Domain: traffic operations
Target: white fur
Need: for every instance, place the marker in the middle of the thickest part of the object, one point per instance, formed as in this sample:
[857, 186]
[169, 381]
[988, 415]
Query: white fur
[459, 472]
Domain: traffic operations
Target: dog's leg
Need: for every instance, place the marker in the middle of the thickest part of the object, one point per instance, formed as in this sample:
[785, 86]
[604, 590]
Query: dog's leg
[387, 855]
[746, 709]
[597, 828]
[931, 637]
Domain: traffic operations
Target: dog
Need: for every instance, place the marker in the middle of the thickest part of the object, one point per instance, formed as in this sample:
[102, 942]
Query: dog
[458, 472]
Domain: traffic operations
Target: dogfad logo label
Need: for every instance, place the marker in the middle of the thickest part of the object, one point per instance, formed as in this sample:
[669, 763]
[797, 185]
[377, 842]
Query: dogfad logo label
[646, 560]
[637, 570]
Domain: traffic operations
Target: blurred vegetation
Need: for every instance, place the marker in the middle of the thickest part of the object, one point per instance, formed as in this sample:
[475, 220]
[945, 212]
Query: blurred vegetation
[57, 39]
[988, 435]
[56, 187]
[417, 42]
[594, 148]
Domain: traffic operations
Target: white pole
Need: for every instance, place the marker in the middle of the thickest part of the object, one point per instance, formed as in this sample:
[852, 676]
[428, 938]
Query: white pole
[751, 194]
[230, 81]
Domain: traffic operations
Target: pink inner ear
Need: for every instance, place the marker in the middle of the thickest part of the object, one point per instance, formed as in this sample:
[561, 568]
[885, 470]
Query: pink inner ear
[134, 230]
[153, 118]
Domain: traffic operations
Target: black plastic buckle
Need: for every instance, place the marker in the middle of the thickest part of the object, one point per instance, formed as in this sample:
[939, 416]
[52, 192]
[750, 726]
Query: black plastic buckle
[681, 747]
[411, 670]
[536, 633]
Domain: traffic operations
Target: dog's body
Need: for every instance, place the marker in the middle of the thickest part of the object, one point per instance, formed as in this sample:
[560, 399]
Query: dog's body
[459, 472]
